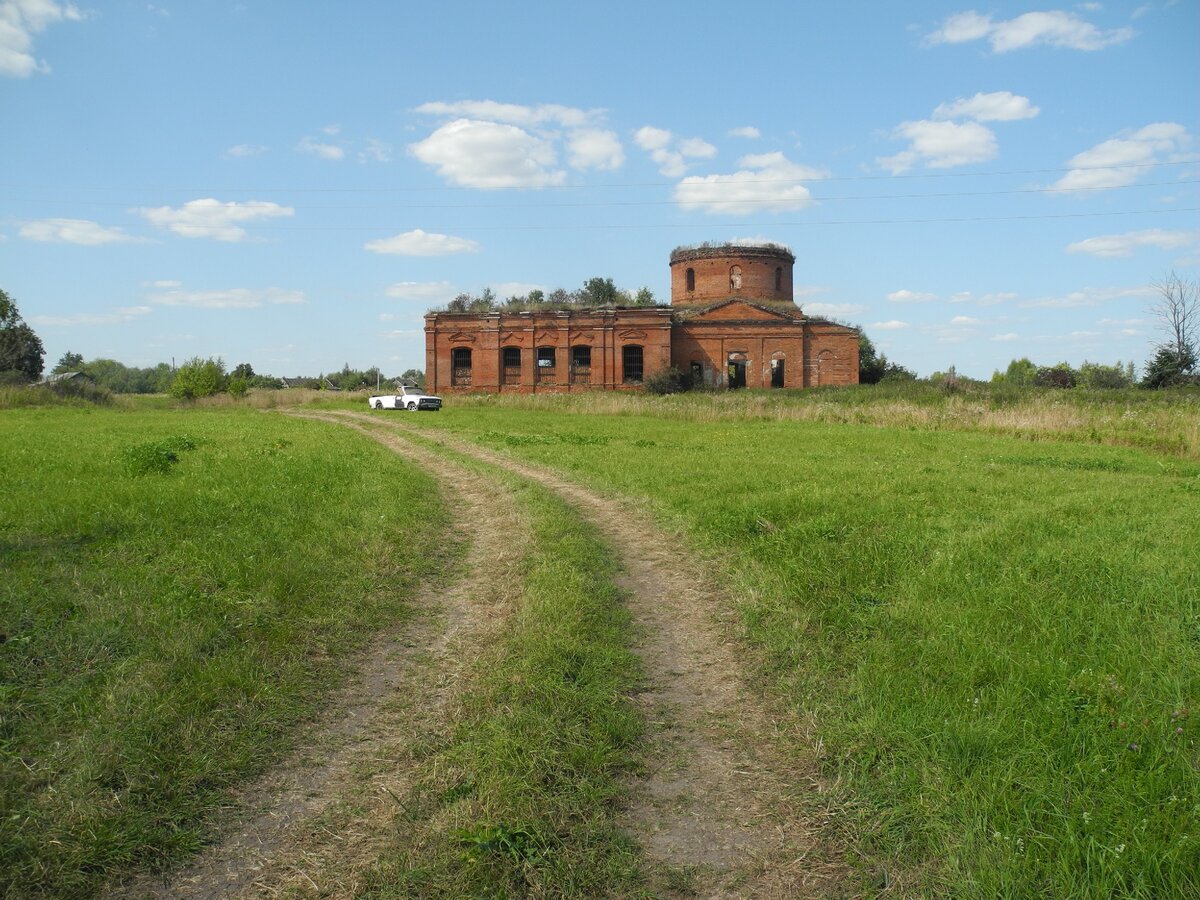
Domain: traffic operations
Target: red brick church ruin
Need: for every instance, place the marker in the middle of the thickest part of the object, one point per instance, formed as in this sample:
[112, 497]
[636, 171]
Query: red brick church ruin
[732, 323]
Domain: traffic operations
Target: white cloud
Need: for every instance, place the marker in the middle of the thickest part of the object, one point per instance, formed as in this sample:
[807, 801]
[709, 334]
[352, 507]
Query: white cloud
[1007, 336]
[1053, 28]
[234, 298]
[515, 114]
[964, 320]
[241, 151]
[766, 182]
[320, 150]
[375, 151]
[1124, 323]
[119, 316]
[1087, 297]
[595, 148]
[1123, 159]
[506, 289]
[165, 283]
[331, 130]
[422, 243]
[486, 155]
[20, 20]
[998, 106]
[941, 145]
[890, 325]
[209, 218]
[420, 290]
[834, 309]
[746, 131]
[75, 231]
[672, 153]
[906, 296]
[1114, 245]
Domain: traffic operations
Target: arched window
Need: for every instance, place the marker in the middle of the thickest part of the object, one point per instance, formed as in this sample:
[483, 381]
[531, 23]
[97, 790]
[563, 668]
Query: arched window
[778, 278]
[631, 364]
[512, 365]
[581, 365]
[735, 278]
[691, 279]
[546, 364]
[460, 365]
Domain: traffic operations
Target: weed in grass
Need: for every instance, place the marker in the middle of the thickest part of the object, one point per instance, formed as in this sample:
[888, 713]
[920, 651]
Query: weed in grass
[155, 457]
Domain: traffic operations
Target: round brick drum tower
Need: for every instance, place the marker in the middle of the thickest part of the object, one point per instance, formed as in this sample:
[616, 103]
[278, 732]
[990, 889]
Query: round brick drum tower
[703, 275]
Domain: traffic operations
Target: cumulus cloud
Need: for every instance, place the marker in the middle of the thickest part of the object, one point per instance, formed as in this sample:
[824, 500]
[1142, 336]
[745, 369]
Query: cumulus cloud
[119, 316]
[209, 218]
[515, 114]
[233, 298]
[1115, 245]
[20, 20]
[746, 131]
[241, 151]
[941, 142]
[766, 182]
[906, 296]
[890, 325]
[320, 150]
[420, 290]
[672, 153]
[422, 243]
[998, 106]
[1052, 28]
[1087, 297]
[941, 145]
[75, 231]
[1007, 336]
[491, 145]
[375, 151]
[834, 309]
[478, 154]
[1121, 160]
[595, 148]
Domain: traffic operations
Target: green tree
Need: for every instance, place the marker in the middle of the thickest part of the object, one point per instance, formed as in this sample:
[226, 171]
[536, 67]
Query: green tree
[414, 376]
[21, 349]
[644, 297]
[242, 370]
[871, 366]
[1020, 372]
[199, 378]
[70, 362]
[1178, 314]
[600, 292]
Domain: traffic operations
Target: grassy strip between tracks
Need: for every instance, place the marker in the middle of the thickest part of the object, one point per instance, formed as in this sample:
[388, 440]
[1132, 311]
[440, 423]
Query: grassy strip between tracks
[520, 798]
[996, 642]
[179, 589]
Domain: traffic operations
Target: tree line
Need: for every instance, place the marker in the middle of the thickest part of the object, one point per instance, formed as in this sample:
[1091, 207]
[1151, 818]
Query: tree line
[594, 293]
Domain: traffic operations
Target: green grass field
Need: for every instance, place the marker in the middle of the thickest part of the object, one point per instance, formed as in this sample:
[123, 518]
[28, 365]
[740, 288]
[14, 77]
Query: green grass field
[997, 640]
[167, 623]
[986, 607]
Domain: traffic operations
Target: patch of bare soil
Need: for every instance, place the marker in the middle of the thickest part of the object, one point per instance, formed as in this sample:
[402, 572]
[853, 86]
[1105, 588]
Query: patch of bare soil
[719, 808]
[313, 825]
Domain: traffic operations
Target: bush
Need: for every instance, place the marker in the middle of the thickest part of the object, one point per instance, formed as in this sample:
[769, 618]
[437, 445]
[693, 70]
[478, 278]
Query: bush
[156, 457]
[668, 381]
[1059, 376]
[238, 387]
[83, 389]
[199, 378]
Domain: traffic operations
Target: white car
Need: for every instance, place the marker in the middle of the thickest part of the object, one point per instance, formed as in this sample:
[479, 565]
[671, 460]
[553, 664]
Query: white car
[407, 398]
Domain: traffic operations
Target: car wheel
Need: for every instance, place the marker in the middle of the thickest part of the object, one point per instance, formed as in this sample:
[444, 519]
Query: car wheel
[412, 406]
[379, 404]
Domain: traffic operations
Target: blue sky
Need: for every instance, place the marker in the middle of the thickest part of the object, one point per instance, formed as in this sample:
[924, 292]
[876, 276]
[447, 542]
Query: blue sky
[294, 184]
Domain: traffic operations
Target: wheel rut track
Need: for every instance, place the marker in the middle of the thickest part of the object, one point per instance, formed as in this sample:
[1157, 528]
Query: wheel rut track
[717, 798]
[313, 824]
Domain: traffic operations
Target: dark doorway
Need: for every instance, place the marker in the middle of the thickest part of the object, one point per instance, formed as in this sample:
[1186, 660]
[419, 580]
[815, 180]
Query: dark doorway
[737, 374]
[697, 373]
[777, 373]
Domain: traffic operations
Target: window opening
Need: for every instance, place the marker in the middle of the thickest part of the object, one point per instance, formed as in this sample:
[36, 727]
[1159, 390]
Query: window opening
[697, 373]
[779, 278]
[735, 278]
[581, 365]
[777, 373]
[512, 365]
[631, 364]
[691, 279]
[460, 366]
[545, 364]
